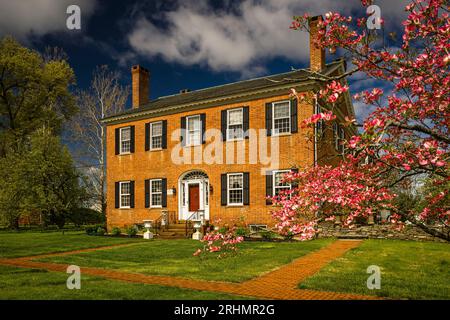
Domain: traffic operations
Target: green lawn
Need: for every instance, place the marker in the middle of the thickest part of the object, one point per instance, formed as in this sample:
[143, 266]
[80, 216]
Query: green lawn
[174, 258]
[31, 284]
[409, 270]
[19, 244]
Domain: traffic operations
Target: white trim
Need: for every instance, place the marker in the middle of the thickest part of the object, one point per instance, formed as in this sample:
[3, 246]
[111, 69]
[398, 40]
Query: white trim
[188, 142]
[274, 133]
[228, 189]
[120, 140]
[228, 124]
[150, 193]
[151, 135]
[126, 194]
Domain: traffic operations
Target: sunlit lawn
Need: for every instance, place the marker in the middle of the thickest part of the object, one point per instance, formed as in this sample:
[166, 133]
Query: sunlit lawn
[18, 244]
[32, 284]
[174, 258]
[410, 270]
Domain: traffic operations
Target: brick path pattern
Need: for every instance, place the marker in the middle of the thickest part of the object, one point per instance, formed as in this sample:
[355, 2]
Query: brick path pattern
[280, 283]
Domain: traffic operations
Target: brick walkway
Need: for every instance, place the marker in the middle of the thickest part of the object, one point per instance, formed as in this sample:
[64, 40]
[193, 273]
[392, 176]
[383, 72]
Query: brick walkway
[280, 283]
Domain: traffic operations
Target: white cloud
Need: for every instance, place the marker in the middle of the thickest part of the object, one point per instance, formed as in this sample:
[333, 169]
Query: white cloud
[235, 40]
[23, 19]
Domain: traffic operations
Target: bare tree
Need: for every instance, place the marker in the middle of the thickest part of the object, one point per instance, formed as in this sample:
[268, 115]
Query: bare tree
[104, 97]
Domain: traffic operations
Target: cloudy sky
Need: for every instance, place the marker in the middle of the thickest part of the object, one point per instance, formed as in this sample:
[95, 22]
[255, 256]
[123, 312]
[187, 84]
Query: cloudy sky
[185, 44]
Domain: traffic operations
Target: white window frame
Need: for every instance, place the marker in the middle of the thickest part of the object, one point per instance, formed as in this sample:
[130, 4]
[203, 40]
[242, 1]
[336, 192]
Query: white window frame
[188, 139]
[151, 194]
[279, 187]
[274, 132]
[121, 140]
[228, 124]
[229, 189]
[124, 194]
[151, 134]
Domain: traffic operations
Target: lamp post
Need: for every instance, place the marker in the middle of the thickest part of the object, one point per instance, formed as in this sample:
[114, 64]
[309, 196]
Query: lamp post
[148, 234]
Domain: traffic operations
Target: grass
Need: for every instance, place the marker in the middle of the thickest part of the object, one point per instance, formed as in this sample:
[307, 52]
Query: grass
[409, 270]
[174, 258]
[31, 284]
[18, 244]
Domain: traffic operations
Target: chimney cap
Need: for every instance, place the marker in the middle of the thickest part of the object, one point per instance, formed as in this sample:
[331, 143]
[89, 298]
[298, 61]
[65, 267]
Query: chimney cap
[185, 90]
[138, 67]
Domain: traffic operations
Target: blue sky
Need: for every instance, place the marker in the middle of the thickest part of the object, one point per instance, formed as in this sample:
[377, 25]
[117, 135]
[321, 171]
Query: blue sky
[184, 44]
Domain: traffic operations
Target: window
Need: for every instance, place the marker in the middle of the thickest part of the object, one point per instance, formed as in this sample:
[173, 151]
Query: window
[235, 124]
[194, 131]
[321, 123]
[257, 227]
[235, 189]
[156, 135]
[125, 194]
[156, 193]
[336, 135]
[278, 184]
[125, 140]
[281, 117]
[341, 140]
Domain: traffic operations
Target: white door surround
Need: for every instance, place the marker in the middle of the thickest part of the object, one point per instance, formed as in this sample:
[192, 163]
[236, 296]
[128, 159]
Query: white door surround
[191, 178]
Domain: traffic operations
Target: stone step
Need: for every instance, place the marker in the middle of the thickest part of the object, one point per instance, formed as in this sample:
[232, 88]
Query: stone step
[351, 236]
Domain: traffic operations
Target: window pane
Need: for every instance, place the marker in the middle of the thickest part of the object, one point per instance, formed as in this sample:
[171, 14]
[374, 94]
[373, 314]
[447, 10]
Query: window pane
[125, 201]
[235, 196]
[156, 186]
[194, 123]
[235, 132]
[156, 142]
[125, 188]
[156, 199]
[156, 129]
[194, 137]
[234, 117]
[282, 125]
[281, 110]
[125, 134]
[235, 181]
[126, 146]
[278, 179]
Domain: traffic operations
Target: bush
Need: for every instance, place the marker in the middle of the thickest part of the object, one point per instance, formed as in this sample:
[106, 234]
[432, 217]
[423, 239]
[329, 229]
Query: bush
[116, 231]
[100, 231]
[267, 235]
[131, 231]
[242, 232]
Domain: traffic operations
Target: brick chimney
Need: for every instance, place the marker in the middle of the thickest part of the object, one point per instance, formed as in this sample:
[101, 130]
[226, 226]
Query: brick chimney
[140, 86]
[316, 54]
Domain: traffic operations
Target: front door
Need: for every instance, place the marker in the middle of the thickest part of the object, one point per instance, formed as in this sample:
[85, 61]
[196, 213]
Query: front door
[194, 197]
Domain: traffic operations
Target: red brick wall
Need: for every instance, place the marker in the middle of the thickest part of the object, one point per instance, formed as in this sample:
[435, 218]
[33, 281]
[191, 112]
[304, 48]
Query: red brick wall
[294, 150]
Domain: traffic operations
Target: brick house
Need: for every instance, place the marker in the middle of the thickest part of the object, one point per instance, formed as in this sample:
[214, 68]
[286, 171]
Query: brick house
[145, 175]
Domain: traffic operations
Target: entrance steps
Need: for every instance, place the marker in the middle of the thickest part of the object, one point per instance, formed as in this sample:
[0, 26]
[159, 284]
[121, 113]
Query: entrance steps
[175, 231]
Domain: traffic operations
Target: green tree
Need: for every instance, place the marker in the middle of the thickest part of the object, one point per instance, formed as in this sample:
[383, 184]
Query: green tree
[34, 92]
[40, 177]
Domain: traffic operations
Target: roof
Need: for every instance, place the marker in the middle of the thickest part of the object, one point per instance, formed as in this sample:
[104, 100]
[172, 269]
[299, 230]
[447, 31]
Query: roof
[234, 88]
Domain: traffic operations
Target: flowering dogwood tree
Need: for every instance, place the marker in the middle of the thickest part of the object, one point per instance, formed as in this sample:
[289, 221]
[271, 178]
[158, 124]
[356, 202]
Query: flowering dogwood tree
[406, 135]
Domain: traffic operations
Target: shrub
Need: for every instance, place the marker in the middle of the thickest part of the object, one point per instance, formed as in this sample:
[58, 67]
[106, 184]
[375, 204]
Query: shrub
[100, 231]
[131, 231]
[94, 230]
[116, 231]
[242, 232]
[267, 235]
